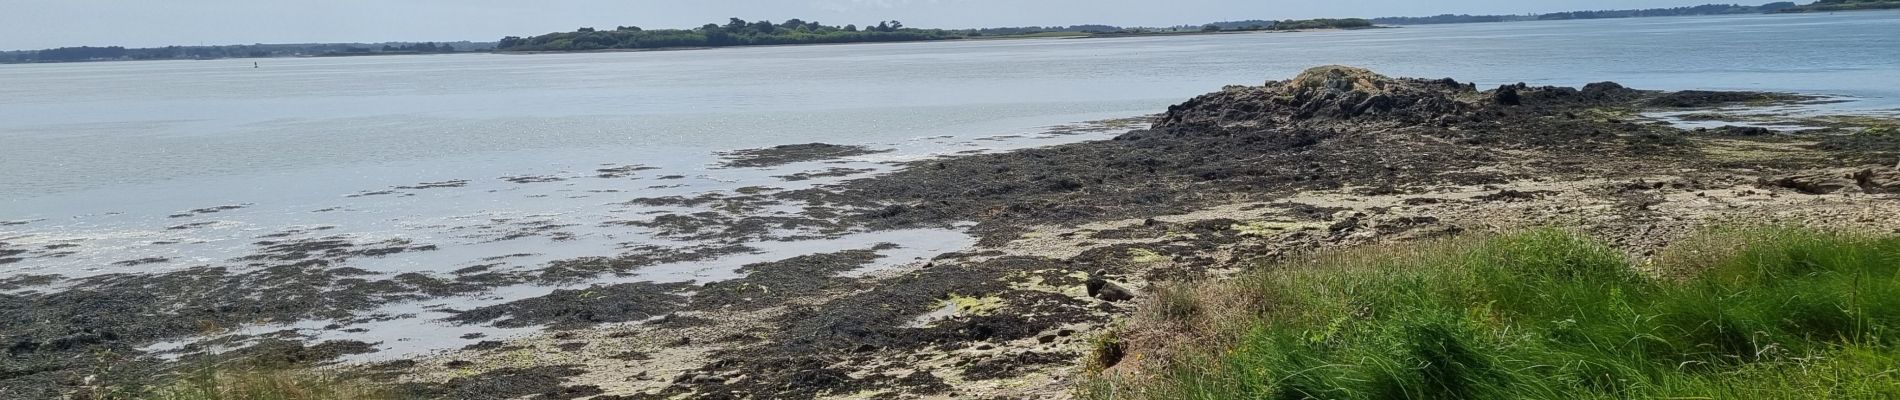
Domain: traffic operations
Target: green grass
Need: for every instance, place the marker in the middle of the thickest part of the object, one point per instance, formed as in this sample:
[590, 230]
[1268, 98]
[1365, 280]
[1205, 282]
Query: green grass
[1741, 314]
[269, 385]
[249, 384]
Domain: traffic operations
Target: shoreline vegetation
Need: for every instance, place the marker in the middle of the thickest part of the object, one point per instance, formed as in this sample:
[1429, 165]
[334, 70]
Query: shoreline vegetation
[119, 53]
[1706, 9]
[1776, 312]
[738, 32]
[1844, 5]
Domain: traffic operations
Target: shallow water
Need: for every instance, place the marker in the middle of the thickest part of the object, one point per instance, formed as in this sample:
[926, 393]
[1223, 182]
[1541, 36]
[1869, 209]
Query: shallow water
[101, 156]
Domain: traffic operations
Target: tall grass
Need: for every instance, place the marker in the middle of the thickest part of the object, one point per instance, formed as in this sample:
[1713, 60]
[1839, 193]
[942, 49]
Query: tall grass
[263, 385]
[1743, 314]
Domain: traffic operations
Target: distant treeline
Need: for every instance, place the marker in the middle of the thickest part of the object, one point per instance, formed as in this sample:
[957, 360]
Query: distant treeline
[736, 32]
[1845, 5]
[1288, 25]
[1706, 9]
[117, 53]
[1031, 30]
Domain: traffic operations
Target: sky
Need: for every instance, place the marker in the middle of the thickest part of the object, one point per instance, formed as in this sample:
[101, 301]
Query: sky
[35, 24]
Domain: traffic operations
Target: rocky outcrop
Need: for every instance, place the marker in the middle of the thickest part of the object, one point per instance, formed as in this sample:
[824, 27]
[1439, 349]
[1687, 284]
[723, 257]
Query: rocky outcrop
[1323, 93]
[1332, 95]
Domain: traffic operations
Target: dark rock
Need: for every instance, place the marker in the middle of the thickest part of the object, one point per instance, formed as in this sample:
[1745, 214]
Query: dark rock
[1101, 288]
[1507, 95]
[483, 345]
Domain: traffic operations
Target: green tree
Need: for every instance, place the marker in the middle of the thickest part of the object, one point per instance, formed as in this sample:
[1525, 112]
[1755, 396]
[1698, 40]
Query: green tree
[736, 32]
[764, 27]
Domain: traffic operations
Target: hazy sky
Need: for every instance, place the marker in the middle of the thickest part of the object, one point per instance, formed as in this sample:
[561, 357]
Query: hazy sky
[33, 24]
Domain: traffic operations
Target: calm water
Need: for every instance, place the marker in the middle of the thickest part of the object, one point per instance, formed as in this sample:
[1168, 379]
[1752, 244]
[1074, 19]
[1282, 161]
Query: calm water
[74, 127]
[100, 154]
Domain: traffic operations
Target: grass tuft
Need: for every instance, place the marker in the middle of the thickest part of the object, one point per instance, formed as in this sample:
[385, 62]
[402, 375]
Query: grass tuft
[267, 385]
[1740, 313]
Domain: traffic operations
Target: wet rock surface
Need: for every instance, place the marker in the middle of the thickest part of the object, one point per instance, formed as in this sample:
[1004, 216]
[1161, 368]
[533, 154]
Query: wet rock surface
[573, 309]
[827, 173]
[641, 256]
[771, 283]
[791, 153]
[1704, 98]
[1328, 129]
[208, 210]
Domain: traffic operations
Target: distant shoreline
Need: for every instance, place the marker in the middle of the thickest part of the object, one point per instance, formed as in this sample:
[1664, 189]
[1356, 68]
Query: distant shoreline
[1805, 9]
[1046, 35]
[1075, 35]
[1842, 7]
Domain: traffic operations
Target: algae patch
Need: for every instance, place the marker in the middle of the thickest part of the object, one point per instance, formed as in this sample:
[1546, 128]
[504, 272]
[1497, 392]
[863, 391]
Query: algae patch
[1145, 256]
[957, 305]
